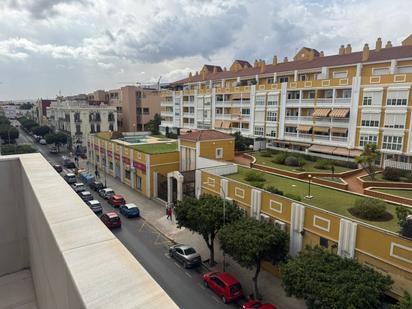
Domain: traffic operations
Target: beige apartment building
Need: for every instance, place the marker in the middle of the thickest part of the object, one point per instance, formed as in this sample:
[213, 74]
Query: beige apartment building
[314, 103]
[135, 105]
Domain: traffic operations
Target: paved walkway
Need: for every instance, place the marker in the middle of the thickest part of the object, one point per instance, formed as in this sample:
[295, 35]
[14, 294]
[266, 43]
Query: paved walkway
[354, 184]
[154, 212]
[241, 160]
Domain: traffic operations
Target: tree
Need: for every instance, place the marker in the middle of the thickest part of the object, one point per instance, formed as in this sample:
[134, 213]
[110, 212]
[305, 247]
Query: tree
[58, 139]
[367, 159]
[402, 214]
[205, 217]
[16, 149]
[404, 303]
[249, 242]
[153, 125]
[242, 143]
[26, 106]
[41, 131]
[8, 133]
[327, 281]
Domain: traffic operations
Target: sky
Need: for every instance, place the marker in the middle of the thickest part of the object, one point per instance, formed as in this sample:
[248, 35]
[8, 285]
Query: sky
[51, 47]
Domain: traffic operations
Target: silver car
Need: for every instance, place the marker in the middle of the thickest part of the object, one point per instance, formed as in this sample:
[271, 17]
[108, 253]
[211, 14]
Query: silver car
[185, 255]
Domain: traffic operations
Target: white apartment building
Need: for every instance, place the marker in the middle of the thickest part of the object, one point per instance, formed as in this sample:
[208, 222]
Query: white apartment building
[78, 119]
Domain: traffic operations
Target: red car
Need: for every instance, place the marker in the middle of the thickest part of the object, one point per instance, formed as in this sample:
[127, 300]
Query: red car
[224, 285]
[111, 220]
[257, 304]
[117, 200]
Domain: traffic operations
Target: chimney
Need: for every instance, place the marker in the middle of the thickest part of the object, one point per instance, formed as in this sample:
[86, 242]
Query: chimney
[365, 53]
[378, 45]
[321, 54]
[224, 69]
[262, 66]
[275, 60]
[256, 63]
[197, 73]
[285, 60]
[348, 49]
[342, 50]
[190, 76]
[389, 44]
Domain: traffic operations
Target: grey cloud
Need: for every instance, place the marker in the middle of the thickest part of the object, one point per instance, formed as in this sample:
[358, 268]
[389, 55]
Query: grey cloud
[41, 8]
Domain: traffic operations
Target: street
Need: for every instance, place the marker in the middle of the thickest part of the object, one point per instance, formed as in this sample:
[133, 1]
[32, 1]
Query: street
[150, 248]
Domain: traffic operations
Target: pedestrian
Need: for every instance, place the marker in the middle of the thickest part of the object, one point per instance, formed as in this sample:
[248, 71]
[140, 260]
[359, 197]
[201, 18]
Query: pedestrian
[171, 213]
[168, 212]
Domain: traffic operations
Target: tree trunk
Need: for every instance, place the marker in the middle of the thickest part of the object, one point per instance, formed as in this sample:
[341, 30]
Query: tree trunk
[210, 239]
[371, 172]
[255, 281]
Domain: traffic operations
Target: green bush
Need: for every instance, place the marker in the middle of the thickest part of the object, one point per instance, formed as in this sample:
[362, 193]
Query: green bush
[391, 174]
[291, 161]
[280, 158]
[254, 176]
[274, 190]
[408, 177]
[266, 154]
[301, 160]
[323, 164]
[257, 184]
[369, 209]
[292, 196]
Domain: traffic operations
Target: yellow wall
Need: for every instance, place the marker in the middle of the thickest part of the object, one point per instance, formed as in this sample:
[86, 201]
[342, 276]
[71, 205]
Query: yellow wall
[208, 149]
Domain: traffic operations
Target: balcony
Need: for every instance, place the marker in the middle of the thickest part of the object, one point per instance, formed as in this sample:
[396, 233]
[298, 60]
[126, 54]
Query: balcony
[191, 115]
[292, 101]
[224, 116]
[291, 119]
[298, 136]
[307, 101]
[166, 113]
[342, 101]
[324, 101]
[166, 103]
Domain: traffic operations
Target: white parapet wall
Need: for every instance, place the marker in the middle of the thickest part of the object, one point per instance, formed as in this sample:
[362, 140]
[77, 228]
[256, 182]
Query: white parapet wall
[76, 262]
[221, 170]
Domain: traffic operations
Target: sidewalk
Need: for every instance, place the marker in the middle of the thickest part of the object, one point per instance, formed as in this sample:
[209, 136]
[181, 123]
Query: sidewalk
[154, 212]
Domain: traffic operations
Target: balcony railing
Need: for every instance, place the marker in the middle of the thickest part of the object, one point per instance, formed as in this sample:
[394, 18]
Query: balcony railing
[166, 113]
[308, 101]
[292, 101]
[342, 100]
[324, 101]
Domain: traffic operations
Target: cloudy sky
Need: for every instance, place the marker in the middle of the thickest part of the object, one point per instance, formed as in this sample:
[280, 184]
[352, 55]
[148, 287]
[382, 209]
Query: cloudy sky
[76, 46]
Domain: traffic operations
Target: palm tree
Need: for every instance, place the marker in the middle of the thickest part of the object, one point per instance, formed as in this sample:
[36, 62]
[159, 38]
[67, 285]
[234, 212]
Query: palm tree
[367, 159]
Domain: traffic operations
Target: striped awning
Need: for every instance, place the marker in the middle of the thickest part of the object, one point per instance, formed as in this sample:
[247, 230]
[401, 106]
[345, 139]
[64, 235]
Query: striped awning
[218, 124]
[339, 113]
[321, 129]
[321, 112]
[235, 111]
[339, 130]
[235, 96]
[303, 128]
[226, 124]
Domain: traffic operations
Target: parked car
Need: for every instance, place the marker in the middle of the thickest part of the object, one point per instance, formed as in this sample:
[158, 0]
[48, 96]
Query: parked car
[86, 196]
[129, 210]
[224, 285]
[53, 149]
[96, 185]
[185, 255]
[116, 200]
[42, 141]
[257, 304]
[78, 187]
[58, 168]
[106, 193]
[111, 220]
[95, 206]
[70, 178]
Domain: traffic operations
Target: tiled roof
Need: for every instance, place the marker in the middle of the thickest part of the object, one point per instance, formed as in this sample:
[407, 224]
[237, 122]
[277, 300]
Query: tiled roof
[205, 135]
[397, 52]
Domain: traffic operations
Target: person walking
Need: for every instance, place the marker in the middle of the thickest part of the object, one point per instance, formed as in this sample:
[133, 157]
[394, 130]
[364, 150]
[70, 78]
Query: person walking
[168, 212]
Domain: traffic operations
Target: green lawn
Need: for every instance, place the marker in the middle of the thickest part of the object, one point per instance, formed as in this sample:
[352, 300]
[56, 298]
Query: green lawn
[334, 179]
[308, 167]
[157, 148]
[399, 192]
[326, 198]
[379, 177]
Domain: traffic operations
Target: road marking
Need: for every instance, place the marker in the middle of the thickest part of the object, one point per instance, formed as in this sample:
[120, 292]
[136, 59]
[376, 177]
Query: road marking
[202, 285]
[178, 265]
[218, 301]
[189, 275]
[167, 255]
[141, 228]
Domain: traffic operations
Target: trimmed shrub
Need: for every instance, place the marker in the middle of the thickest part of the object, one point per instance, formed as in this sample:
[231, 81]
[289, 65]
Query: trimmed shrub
[292, 196]
[369, 209]
[408, 177]
[257, 184]
[391, 174]
[323, 164]
[280, 158]
[254, 176]
[274, 190]
[291, 161]
[301, 160]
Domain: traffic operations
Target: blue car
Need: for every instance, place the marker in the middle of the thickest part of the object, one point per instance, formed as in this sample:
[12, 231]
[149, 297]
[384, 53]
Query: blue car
[129, 210]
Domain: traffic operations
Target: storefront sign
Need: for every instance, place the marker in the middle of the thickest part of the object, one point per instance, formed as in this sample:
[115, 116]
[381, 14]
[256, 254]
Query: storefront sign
[117, 156]
[139, 166]
[126, 161]
[109, 154]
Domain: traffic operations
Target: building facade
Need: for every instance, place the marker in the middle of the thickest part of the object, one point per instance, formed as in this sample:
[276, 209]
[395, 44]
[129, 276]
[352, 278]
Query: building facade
[332, 105]
[79, 119]
[40, 111]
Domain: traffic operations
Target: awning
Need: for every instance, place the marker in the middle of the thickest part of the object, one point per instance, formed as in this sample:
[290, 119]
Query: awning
[246, 95]
[321, 112]
[226, 124]
[339, 130]
[235, 111]
[218, 123]
[235, 96]
[321, 129]
[339, 113]
[323, 149]
[303, 128]
[339, 151]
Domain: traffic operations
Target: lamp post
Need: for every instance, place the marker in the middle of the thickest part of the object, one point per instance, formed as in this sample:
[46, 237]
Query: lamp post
[309, 179]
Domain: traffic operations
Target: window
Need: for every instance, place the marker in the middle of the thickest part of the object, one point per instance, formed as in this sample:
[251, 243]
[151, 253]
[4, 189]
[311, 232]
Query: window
[111, 127]
[380, 71]
[302, 77]
[341, 74]
[127, 174]
[405, 69]
[259, 131]
[403, 159]
[396, 121]
[368, 139]
[323, 242]
[138, 110]
[392, 142]
[219, 153]
[398, 98]
[271, 116]
[97, 127]
[367, 100]
[293, 95]
[370, 120]
[245, 111]
[139, 183]
[260, 100]
[272, 99]
[283, 79]
[111, 165]
[146, 111]
[271, 80]
[78, 130]
[119, 109]
[239, 192]
[271, 132]
[92, 128]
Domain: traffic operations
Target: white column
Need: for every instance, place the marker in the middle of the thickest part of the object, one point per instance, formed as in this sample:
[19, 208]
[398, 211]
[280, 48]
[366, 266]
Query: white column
[295, 75]
[170, 188]
[252, 109]
[132, 171]
[198, 183]
[148, 176]
[354, 111]
[155, 194]
[121, 164]
[106, 156]
[393, 66]
[296, 228]
[255, 204]
[100, 154]
[347, 238]
[282, 106]
[113, 160]
[180, 187]
[359, 69]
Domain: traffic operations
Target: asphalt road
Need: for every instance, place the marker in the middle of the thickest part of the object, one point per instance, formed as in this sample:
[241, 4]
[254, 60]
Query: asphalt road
[150, 248]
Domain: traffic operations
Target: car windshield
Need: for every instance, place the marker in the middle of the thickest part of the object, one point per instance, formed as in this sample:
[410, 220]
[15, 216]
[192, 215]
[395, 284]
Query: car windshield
[235, 288]
[115, 219]
[120, 199]
[190, 251]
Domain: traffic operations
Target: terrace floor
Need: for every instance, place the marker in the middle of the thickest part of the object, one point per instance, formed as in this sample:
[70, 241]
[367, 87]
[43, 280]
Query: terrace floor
[17, 291]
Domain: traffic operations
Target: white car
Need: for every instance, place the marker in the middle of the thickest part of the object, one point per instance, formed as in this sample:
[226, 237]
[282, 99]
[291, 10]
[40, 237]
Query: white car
[43, 142]
[106, 193]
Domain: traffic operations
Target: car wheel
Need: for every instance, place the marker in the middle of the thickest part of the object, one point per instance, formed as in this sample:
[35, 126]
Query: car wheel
[224, 300]
[205, 284]
[185, 265]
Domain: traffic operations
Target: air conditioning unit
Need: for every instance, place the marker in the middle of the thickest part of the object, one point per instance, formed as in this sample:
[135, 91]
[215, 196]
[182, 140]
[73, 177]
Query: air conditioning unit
[264, 217]
[280, 225]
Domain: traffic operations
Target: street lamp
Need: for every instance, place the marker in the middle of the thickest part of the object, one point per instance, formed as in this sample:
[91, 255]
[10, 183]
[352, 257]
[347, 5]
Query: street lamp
[309, 196]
